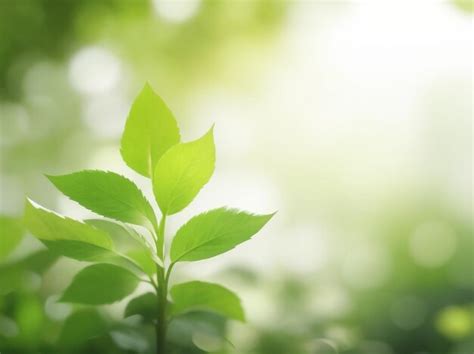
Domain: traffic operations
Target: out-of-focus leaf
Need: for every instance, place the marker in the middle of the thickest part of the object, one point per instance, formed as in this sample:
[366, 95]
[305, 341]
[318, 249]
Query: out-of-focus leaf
[202, 296]
[145, 305]
[100, 284]
[108, 194]
[80, 327]
[13, 276]
[151, 129]
[181, 173]
[11, 233]
[214, 232]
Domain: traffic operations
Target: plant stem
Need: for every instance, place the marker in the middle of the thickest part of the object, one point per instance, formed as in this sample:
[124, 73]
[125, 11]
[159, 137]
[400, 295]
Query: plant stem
[162, 293]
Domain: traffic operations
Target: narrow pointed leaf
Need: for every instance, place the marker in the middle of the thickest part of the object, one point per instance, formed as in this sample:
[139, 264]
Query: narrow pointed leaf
[182, 172]
[100, 284]
[108, 194]
[151, 129]
[202, 296]
[214, 232]
[48, 226]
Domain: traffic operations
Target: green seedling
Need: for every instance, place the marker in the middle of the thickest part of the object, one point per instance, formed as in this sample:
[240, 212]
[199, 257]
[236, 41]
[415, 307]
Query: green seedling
[151, 145]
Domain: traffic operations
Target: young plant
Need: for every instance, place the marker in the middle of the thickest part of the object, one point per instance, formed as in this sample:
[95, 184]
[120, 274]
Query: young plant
[150, 145]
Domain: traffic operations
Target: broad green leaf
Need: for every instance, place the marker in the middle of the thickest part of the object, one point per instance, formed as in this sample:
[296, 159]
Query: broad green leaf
[80, 327]
[108, 194]
[48, 226]
[100, 284]
[181, 173]
[151, 129]
[145, 305]
[11, 233]
[214, 232]
[197, 295]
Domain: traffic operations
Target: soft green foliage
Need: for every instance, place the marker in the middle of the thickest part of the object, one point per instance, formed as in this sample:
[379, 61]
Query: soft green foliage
[11, 233]
[182, 172]
[48, 226]
[151, 129]
[214, 232]
[144, 305]
[122, 253]
[108, 194]
[81, 326]
[100, 284]
[198, 296]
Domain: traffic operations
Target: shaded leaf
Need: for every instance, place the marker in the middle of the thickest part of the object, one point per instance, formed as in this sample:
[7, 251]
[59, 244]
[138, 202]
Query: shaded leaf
[181, 173]
[197, 295]
[145, 305]
[100, 284]
[151, 129]
[11, 233]
[214, 232]
[108, 194]
[80, 327]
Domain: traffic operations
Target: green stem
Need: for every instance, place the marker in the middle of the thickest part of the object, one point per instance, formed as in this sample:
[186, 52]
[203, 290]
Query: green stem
[162, 291]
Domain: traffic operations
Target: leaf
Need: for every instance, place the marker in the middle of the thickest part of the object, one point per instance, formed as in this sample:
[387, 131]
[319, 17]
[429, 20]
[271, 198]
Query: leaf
[11, 233]
[100, 284]
[108, 194]
[48, 226]
[81, 251]
[214, 232]
[145, 305]
[151, 129]
[80, 327]
[130, 242]
[182, 171]
[14, 276]
[197, 295]
[144, 260]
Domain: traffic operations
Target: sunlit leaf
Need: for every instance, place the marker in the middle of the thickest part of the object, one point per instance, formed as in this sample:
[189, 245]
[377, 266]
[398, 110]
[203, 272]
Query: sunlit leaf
[214, 232]
[48, 226]
[197, 295]
[100, 284]
[11, 233]
[151, 129]
[108, 194]
[182, 172]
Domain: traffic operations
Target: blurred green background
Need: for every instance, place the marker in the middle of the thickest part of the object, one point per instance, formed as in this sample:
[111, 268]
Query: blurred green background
[352, 118]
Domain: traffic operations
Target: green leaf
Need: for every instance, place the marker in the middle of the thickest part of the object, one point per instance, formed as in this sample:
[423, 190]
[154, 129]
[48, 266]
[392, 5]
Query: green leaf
[214, 232]
[48, 226]
[151, 129]
[143, 259]
[81, 251]
[80, 327]
[100, 284]
[145, 305]
[11, 233]
[197, 295]
[181, 173]
[108, 194]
